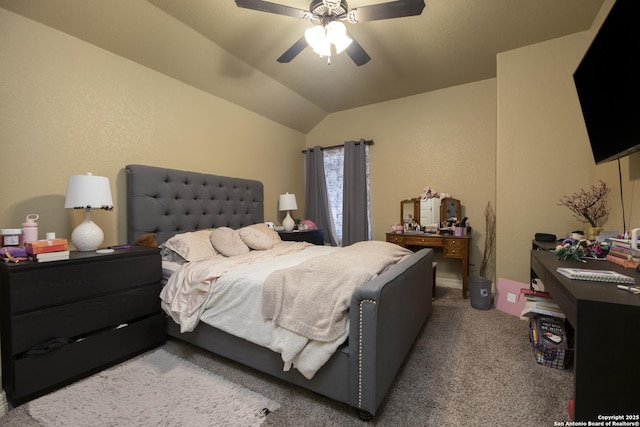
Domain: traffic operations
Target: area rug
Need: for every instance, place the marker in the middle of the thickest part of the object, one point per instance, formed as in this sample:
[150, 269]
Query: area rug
[155, 389]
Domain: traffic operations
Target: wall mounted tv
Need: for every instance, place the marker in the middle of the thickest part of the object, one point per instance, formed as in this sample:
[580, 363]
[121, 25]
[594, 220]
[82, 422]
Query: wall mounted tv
[608, 84]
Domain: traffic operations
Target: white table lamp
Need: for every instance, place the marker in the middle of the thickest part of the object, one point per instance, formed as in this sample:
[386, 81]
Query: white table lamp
[288, 203]
[88, 192]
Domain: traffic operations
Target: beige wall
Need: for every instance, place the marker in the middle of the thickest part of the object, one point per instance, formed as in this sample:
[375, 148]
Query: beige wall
[525, 127]
[69, 108]
[443, 139]
[544, 153]
[517, 141]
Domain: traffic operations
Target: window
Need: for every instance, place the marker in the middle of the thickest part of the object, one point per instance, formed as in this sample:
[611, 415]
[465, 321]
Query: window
[333, 159]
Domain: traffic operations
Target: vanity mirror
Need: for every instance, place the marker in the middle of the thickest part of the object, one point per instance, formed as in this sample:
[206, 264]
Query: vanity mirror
[430, 211]
[450, 208]
[409, 211]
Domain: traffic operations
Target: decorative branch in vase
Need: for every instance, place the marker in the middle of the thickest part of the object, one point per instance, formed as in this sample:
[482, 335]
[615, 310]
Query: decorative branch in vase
[489, 242]
[589, 207]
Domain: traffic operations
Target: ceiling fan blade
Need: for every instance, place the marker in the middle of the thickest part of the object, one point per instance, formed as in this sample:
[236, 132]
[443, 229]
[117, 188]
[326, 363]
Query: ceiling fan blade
[293, 51]
[392, 9]
[279, 9]
[357, 53]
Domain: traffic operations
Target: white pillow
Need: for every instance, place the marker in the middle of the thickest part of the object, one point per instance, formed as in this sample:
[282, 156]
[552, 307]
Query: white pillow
[192, 245]
[255, 239]
[266, 230]
[228, 242]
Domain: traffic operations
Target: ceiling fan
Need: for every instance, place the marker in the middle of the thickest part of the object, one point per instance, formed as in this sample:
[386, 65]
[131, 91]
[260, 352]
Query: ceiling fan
[329, 34]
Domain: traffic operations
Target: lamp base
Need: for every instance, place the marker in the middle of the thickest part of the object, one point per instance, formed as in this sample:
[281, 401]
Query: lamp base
[87, 236]
[288, 223]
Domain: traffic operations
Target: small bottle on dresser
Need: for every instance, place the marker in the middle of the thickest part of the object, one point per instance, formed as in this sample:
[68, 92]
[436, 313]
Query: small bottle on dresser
[30, 229]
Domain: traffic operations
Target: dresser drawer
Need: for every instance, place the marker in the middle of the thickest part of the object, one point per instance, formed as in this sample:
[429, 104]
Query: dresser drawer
[455, 248]
[37, 375]
[64, 282]
[429, 241]
[83, 318]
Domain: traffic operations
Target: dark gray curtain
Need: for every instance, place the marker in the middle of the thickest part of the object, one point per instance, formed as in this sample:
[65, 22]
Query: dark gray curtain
[316, 199]
[355, 217]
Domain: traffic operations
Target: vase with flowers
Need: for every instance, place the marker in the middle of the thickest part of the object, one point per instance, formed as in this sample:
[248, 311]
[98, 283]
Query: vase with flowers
[571, 249]
[589, 207]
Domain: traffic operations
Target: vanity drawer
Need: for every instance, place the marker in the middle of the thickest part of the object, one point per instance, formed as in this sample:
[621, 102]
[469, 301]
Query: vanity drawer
[429, 241]
[398, 239]
[455, 248]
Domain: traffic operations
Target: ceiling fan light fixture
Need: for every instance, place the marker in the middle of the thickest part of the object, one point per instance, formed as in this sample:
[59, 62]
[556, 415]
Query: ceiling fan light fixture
[323, 50]
[337, 35]
[327, 16]
[320, 38]
[317, 39]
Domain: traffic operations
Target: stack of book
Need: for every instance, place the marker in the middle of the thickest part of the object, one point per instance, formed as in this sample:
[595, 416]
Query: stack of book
[621, 253]
[47, 250]
[539, 303]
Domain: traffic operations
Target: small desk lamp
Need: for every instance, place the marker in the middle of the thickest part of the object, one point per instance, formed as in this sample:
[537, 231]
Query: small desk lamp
[88, 192]
[288, 203]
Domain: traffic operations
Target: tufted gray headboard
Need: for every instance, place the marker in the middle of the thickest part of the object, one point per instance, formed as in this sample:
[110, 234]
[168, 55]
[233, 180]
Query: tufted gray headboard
[168, 201]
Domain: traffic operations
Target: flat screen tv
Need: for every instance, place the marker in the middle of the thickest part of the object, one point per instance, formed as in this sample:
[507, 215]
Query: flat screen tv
[608, 84]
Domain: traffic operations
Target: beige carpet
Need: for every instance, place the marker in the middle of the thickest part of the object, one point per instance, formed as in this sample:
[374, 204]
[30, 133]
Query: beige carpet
[155, 389]
[468, 368]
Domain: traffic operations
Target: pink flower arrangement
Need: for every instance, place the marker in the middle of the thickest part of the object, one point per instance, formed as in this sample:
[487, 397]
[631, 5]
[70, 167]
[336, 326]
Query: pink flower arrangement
[430, 193]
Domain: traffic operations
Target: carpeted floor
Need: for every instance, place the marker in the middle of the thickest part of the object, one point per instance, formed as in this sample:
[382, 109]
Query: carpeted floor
[135, 393]
[468, 368]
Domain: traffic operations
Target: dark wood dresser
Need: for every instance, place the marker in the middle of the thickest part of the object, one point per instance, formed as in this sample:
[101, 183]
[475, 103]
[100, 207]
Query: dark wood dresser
[64, 320]
[312, 236]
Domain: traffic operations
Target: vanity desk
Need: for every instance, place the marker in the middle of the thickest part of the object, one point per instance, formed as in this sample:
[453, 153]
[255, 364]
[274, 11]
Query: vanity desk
[453, 247]
[433, 211]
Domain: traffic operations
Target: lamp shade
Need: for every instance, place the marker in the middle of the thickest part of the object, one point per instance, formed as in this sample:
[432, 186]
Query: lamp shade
[88, 192]
[288, 202]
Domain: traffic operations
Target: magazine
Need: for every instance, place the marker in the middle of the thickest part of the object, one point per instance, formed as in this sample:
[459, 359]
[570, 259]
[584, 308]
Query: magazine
[595, 275]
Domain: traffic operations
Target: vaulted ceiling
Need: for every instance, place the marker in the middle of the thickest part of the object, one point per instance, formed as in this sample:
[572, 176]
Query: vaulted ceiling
[231, 52]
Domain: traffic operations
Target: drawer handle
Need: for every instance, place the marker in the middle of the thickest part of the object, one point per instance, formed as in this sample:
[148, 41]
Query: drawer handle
[453, 242]
[453, 251]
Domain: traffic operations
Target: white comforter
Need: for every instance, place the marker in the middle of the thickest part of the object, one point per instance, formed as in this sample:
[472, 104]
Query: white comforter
[234, 305]
[227, 293]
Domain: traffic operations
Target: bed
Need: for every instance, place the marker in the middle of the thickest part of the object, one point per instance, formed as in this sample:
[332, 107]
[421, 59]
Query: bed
[385, 314]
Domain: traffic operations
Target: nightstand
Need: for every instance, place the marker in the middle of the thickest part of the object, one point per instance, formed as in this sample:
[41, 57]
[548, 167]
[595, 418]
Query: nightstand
[312, 236]
[64, 320]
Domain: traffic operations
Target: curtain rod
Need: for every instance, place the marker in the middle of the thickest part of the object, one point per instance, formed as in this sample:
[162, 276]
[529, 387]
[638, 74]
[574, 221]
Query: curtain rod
[370, 142]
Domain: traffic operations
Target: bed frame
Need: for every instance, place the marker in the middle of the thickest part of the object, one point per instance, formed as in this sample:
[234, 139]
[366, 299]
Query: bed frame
[386, 314]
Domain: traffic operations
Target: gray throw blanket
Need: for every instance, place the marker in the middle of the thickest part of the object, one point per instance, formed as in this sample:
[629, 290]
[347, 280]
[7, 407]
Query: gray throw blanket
[313, 299]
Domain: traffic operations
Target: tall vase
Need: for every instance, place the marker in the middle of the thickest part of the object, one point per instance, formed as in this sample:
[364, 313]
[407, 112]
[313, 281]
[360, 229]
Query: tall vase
[591, 233]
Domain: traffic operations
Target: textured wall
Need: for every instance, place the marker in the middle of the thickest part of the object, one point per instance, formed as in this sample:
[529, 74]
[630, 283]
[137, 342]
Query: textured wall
[444, 139]
[69, 108]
